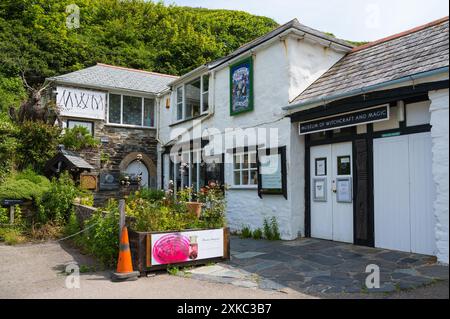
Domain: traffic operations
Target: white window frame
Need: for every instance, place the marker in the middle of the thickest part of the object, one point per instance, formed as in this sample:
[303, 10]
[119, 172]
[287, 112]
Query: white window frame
[241, 169]
[142, 111]
[183, 100]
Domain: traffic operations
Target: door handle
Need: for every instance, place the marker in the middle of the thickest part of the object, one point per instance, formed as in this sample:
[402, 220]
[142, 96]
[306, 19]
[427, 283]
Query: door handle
[333, 187]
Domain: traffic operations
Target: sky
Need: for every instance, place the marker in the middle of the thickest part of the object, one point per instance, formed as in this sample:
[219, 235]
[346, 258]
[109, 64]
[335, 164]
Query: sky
[356, 20]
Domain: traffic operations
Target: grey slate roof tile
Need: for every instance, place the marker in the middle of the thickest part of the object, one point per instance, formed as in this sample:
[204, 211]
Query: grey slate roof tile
[416, 52]
[112, 77]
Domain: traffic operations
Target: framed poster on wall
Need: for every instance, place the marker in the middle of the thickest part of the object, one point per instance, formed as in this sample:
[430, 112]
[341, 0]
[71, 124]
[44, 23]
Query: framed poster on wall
[320, 189]
[272, 171]
[241, 86]
[344, 190]
[321, 166]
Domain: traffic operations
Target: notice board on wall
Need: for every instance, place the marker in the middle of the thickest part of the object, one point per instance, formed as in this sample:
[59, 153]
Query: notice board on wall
[272, 171]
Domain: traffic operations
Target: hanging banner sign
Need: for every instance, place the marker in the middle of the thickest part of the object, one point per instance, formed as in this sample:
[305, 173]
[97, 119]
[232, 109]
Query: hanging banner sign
[81, 103]
[375, 114]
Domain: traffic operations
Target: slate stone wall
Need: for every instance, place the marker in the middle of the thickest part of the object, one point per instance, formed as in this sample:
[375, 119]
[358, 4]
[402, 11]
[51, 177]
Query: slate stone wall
[117, 143]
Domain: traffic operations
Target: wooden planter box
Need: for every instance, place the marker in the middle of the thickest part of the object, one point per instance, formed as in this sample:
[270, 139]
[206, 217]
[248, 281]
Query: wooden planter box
[157, 250]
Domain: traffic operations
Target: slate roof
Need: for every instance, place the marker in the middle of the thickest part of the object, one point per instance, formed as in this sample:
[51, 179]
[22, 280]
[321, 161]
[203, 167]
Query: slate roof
[76, 160]
[106, 76]
[415, 51]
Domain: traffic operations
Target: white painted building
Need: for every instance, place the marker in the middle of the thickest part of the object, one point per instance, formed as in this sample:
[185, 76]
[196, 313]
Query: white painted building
[360, 134]
[363, 132]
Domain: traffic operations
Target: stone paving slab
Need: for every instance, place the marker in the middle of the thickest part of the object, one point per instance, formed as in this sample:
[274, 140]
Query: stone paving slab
[320, 266]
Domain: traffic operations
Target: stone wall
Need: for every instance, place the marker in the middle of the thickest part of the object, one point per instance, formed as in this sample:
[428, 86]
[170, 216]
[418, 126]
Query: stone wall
[440, 136]
[83, 212]
[117, 143]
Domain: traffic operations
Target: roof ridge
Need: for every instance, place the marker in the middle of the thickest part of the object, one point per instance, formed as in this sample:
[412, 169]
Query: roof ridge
[135, 70]
[400, 34]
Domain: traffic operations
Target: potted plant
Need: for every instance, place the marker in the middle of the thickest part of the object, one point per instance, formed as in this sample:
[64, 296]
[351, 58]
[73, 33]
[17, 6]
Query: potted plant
[194, 207]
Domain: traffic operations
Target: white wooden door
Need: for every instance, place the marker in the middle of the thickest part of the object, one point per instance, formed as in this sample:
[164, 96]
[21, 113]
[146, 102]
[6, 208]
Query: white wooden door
[404, 193]
[321, 210]
[422, 194]
[136, 168]
[391, 193]
[330, 218]
[342, 208]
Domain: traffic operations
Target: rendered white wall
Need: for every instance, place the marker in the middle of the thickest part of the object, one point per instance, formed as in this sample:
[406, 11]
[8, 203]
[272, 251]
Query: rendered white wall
[440, 138]
[281, 71]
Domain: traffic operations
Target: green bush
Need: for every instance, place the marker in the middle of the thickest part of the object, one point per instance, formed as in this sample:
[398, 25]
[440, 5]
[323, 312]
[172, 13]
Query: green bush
[26, 185]
[246, 232]
[11, 235]
[4, 215]
[257, 233]
[152, 195]
[56, 204]
[271, 229]
[153, 216]
[213, 198]
[8, 145]
[37, 143]
[275, 229]
[78, 138]
[101, 238]
[72, 227]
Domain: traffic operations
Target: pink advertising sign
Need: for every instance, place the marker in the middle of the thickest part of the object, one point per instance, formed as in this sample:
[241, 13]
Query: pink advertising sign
[172, 248]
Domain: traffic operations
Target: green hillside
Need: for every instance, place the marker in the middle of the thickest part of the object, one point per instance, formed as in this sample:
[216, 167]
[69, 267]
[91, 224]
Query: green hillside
[137, 34]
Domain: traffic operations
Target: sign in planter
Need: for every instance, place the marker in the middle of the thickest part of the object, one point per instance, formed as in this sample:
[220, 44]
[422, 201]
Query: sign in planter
[157, 250]
[186, 246]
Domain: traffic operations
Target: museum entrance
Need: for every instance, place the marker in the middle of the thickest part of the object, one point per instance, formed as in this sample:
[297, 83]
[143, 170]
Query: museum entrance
[331, 193]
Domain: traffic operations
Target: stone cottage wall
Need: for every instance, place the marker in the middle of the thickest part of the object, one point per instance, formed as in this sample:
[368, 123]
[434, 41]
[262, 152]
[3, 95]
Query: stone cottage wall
[117, 143]
[440, 137]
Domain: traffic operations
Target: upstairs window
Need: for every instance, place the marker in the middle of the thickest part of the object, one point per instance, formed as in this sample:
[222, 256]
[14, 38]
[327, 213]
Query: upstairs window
[192, 98]
[131, 110]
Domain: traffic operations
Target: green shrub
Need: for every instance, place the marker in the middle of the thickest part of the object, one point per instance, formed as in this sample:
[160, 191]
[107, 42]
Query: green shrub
[101, 238]
[57, 202]
[4, 215]
[26, 185]
[271, 229]
[37, 143]
[275, 229]
[11, 235]
[8, 145]
[149, 194]
[246, 232]
[72, 226]
[12, 92]
[213, 198]
[257, 233]
[78, 138]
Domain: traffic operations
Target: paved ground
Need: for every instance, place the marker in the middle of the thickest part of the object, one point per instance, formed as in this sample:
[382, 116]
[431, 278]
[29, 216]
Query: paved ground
[331, 269]
[304, 268]
[37, 271]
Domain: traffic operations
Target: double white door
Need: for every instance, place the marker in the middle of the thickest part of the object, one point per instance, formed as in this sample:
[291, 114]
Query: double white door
[404, 193]
[331, 192]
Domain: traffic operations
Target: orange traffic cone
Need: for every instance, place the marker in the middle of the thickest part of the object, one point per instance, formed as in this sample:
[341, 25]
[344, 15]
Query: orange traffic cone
[124, 266]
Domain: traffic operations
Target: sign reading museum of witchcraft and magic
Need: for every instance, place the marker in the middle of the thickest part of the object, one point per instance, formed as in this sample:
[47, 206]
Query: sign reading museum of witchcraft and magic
[375, 114]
